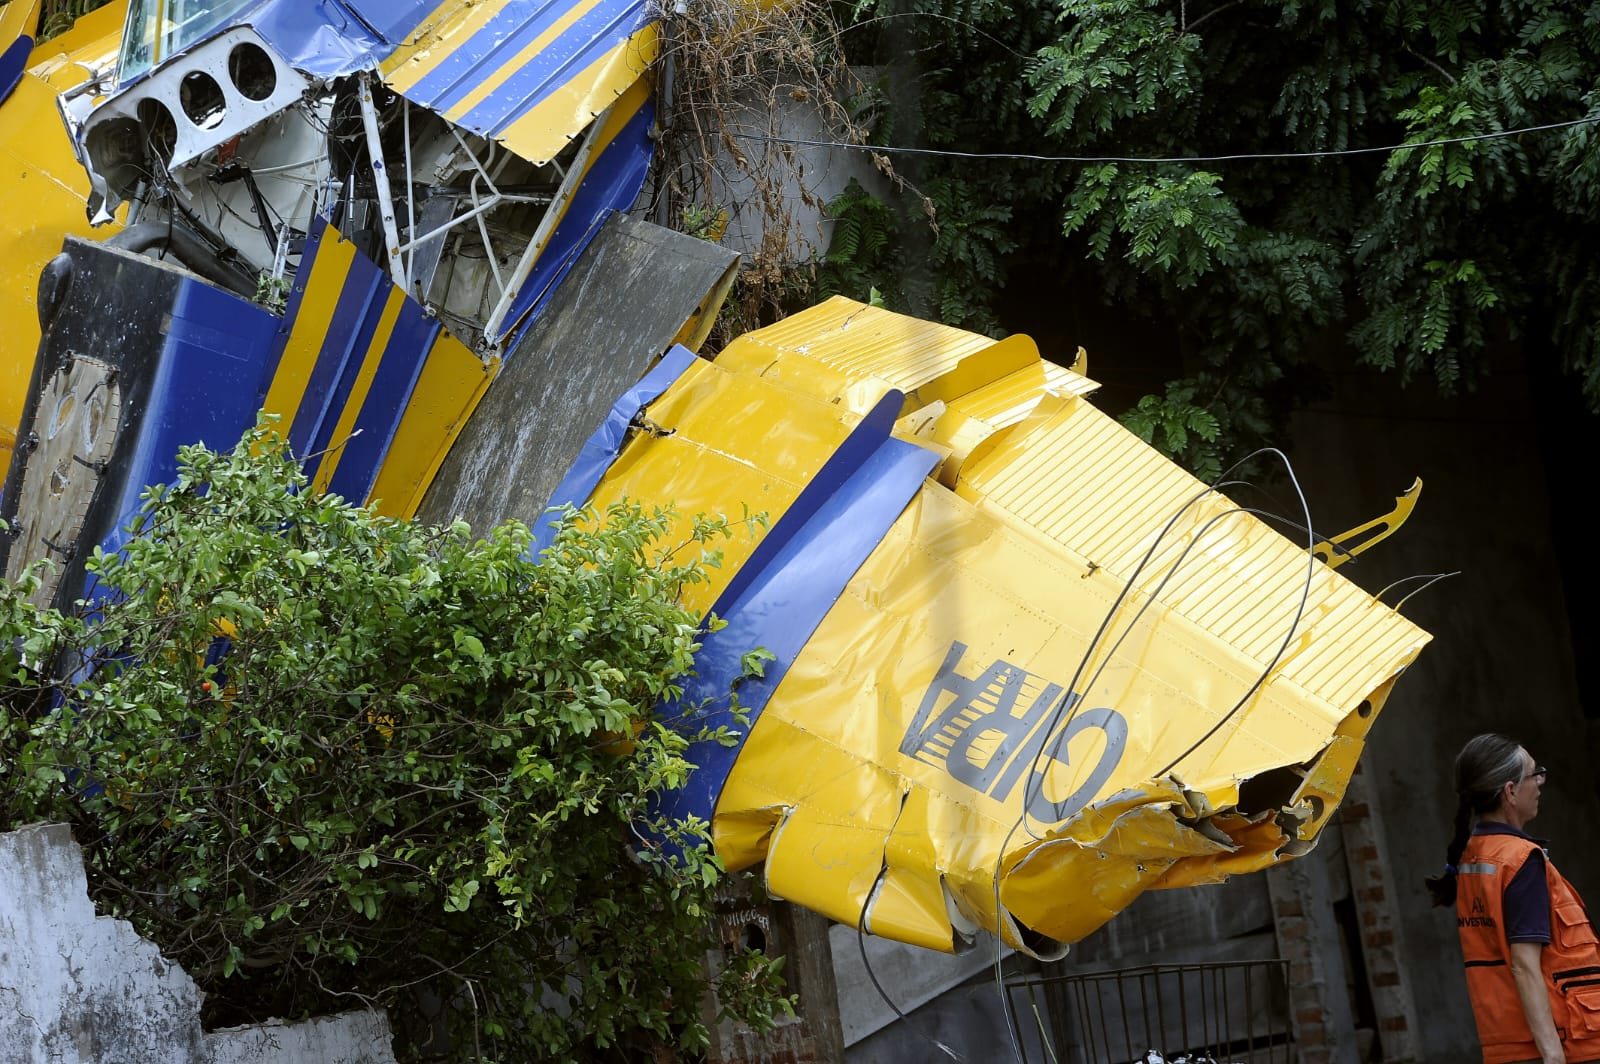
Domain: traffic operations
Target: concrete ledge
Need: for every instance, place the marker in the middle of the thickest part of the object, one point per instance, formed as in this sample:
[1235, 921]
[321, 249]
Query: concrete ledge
[76, 988]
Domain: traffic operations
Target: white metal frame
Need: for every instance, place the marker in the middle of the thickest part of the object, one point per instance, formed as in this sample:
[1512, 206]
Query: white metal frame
[484, 195]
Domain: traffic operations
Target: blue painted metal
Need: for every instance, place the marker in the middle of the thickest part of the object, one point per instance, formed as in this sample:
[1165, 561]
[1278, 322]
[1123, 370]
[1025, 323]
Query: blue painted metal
[349, 334]
[602, 448]
[613, 181]
[788, 585]
[392, 20]
[404, 355]
[324, 37]
[521, 22]
[211, 375]
[13, 62]
[327, 38]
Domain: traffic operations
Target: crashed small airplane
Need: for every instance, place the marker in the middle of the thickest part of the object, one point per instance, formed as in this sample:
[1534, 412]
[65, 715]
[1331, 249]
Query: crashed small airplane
[364, 204]
[1025, 668]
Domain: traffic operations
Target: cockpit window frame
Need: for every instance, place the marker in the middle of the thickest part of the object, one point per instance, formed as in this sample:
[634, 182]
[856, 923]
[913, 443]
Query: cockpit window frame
[157, 30]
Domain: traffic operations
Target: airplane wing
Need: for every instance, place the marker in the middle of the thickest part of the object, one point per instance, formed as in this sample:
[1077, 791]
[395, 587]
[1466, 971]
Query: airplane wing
[1026, 667]
[530, 76]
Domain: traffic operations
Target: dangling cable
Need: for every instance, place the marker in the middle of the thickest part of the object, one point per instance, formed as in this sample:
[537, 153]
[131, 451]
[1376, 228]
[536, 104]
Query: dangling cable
[1430, 578]
[1056, 722]
[1294, 626]
[1090, 652]
[861, 943]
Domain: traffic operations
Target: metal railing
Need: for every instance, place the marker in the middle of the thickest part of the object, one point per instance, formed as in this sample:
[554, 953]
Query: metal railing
[1221, 1013]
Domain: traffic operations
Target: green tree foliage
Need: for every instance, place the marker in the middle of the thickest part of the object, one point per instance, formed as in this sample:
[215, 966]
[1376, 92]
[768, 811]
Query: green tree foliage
[57, 16]
[1420, 257]
[326, 758]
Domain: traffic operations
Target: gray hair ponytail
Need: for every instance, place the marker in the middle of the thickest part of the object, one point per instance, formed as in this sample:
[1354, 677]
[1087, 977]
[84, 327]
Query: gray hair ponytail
[1485, 765]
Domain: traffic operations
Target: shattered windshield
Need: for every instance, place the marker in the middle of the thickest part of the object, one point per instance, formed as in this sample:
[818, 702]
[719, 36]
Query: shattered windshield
[159, 29]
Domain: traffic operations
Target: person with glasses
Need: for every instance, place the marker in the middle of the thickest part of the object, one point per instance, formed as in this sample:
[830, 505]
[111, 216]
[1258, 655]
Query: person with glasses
[1532, 960]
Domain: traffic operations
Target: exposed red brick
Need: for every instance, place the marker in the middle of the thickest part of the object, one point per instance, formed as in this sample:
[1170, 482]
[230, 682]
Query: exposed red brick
[1393, 1023]
[1375, 939]
[1386, 979]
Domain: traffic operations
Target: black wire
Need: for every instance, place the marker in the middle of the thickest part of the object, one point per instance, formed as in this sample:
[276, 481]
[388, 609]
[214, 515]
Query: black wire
[1430, 578]
[1091, 651]
[1305, 596]
[861, 943]
[1057, 723]
[884, 149]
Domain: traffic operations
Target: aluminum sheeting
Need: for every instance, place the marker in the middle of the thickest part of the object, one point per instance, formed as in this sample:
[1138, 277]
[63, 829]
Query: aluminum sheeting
[1039, 693]
[530, 74]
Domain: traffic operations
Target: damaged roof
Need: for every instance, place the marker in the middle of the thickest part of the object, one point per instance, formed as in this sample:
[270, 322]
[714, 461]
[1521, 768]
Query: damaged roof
[529, 74]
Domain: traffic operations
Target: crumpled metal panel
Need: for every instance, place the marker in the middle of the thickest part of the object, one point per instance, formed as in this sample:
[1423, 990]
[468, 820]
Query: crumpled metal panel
[43, 199]
[530, 74]
[999, 719]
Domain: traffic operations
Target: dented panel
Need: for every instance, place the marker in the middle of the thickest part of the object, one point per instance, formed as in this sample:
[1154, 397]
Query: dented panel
[1038, 693]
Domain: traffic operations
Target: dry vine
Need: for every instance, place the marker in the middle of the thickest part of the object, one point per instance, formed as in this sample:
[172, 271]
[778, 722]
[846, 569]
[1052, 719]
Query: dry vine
[732, 72]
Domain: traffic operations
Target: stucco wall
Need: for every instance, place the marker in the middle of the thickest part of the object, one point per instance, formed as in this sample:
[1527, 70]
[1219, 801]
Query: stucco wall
[76, 988]
[1502, 657]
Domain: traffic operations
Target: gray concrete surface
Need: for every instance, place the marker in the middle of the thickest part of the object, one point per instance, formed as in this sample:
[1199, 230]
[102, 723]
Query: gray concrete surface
[77, 988]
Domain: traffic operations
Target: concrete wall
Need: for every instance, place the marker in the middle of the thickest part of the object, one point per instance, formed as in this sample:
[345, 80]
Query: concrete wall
[76, 988]
[1502, 657]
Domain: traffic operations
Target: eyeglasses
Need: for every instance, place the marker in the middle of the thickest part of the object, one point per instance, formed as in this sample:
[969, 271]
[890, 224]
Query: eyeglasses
[1541, 774]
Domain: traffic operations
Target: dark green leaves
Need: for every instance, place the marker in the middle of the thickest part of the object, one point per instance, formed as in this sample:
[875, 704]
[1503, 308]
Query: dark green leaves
[325, 756]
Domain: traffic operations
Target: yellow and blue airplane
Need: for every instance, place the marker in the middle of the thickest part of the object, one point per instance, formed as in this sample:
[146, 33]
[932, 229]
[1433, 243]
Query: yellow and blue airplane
[1024, 669]
[367, 203]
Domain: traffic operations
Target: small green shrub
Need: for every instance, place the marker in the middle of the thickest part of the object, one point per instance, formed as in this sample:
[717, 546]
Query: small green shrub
[325, 758]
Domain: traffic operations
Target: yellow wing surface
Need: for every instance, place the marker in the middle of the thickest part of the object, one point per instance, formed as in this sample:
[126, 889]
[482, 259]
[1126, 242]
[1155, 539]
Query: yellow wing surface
[42, 194]
[1058, 672]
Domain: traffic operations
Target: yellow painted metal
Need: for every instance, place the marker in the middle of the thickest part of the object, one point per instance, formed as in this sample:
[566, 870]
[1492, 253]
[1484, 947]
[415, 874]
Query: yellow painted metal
[540, 134]
[19, 18]
[855, 354]
[1341, 548]
[42, 195]
[359, 389]
[433, 41]
[91, 42]
[334, 258]
[453, 381]
[702, 463]
[918, 769]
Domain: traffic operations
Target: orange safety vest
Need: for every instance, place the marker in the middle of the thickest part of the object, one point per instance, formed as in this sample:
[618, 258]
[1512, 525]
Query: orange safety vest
[1571, 962]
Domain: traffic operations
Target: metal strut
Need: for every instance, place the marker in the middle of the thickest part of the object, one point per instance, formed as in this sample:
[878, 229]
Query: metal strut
[391, 233]
[1341, 548]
